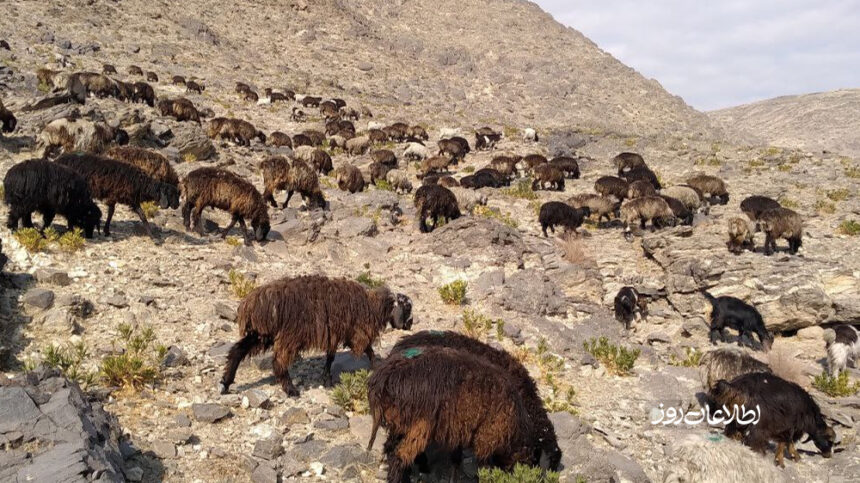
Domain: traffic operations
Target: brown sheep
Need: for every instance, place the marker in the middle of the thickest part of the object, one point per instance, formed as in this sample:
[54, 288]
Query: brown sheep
[310, 101]
[178, 80]
[358, 145]
[250, 96]
[241, 87]
[108, 69]
[151, 77]
[224, 190]
[279, 139]
[397, 131]
[740, 235]
[378, 171]
[417, 133]
[399, 181]
[640, 188]
[533, 160]
[297, 115]
[384, 156]
[507, 165]
[781, 223]
[302, 140]
[321, 161]
[754, 206]
[456, 399]
[135, 70]
[329, 110]
[647, 208]
[317, 137]
[192, 86]
[275, 96]
[349, 178]
[293, 315]
[46, 76]
[569, 166]
[279, 175]
[435, 202]
[682, 214]
[236, 130]
[727, 363]
[712, 187]
[150, 162]
[8, 122]
[599, 205]
[688, 195]
[453, 148]
[377, 136]
[434, 165]
[612, 186]
[448, 181]
[70, 135]
[547, 174]
[180, 109]
[627, 161]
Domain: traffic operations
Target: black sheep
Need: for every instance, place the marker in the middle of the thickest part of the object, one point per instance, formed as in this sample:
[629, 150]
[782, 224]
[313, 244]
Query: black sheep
[557, 213]
[736, 314]
[435, 202]
[8, 119]
[628, 305]
[51, 189]
[481, 179]
[643, 173]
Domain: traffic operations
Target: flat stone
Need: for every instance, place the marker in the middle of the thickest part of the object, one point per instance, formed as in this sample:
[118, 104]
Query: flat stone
[365, 66]
[567, 426]
[309, 450]
[344, 455]
[39, 298]
[219, 352]
[118, 301]
[361, 427]
[164, 449]
[335, 424]
[255, 398]
[269, 448]
[135, 473]
[179, 435]
[655, 337]
[175, 357]
[209, 412]
[182, 421]
[54, 277]
[225, 311]
[295, 416]
[264, 474]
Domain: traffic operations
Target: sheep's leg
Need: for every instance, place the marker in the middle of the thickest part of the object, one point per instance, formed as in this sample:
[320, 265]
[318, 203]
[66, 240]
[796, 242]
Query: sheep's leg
[47, 219]
[544, 226]
[142, 215]
[196, 214]
[792, 452]
[230, 226]
[111, 208]
[27, 220]
[780, 455]
[289, 195]
[244, 231]
[186, 215]
[12, 221]
[329, 359]
[268, 196]
[716, 334]
[370, 355]
[769, 244]
[281, 367]
[413, 443]
[237, 353]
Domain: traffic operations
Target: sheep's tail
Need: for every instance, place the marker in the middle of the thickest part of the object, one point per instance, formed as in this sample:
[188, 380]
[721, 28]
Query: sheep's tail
[829, 336]
[708, 296]
[377, 418]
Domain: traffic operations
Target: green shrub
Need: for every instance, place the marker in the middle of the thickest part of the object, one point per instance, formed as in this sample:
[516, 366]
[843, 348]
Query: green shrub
[31, 239]
[136, 363]
[454, 293]
[365, 279]
[240, 285]
[469, 169]
[233, 241]
[351, 392]
[69, 360]
[849, 227]
[150, 209]
[852, 171]
[840, 194]
[617, 359]
[189, 157]
[71, 241]
[561, 396]
[523, 190]
[477, 326]
[838, 386]
[487, 212]
[384, 185]
[520, 474]
[788, 203]
[823, 206]
[692, 358]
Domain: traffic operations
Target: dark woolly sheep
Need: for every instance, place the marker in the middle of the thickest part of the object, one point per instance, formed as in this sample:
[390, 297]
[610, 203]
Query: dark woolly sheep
[688, 195]
[378, 171]
[293, 315]
[433, 165]
[500, 179]
[115, 182]
[399, 181]
[384, 156]
[556, 213]
[642, 173]
[533, 160]
[275, 97]
[241, 87]
[302, 140]
[740, 235]
[507, 165]
[612, 186]
[727, 363]
[630, 306]
[358, 145]
[310, 101]
[417, 133]
[51, 189]
[239, 131]
[178, 80]
[126, 92]
[316, 137]
[713, 188]
[219, 188]
[349, 178]
[8, 119]
[734, 313]
[679, 209]
[645, 209]
[250, 96]
[447, 181]
[279, 175]
[548, 174]
[567, 165]
[339, 103]
[192, 86]
[143, 92]
[786, 411]
[329, 110]
[781, 223]
[151, 77]
[483, 179]
[350, 113]
[377, 136]
[549, 454]
[152, 163]
[135, 70]
[435, 202]
[454, 399]
[4, 45]
[69, 135]
[98, 85]
[455, 148]
[279, 139]
[627, 161]
[396, 132]
[754, 206]
[640, 188]
[180, 109]
[843, 345]
[486, 138]
[599, 205]
[337, 125]
[108, 69]
[321, 161]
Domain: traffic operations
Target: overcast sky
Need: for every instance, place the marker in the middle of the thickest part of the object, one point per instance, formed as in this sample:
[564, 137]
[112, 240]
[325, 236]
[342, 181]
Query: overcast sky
[721, 53]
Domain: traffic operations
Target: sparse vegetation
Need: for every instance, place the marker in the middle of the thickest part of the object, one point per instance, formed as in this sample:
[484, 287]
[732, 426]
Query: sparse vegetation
[71, 241]
[840, 194]
[351, 392]
[240, 285]
[477, 326]
[561, 396]
[788, 203]
[523, 190]
[520, 474]
[34, 241]
[510, 132]
[573, 249]
[150, 209]
[852, 171]
[384, 185]
[31, 240]
[692, 358]
[137, 362]
[487, 212]
[849, 227]
[454, 293]
[70, 360]
[824, 206]
[756, 163]
[773, 151]
[838, 386]
[365, 279]
[618, 360]
[469, 169]
[189, 157]
[233, 241]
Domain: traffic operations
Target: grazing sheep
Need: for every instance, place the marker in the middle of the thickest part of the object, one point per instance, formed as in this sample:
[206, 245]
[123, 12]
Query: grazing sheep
[754, 206]
[192, 86]
[349, 178]
[298, 115]
[485, 178]
[151, 77]
[399, 181]
[530, 135]
[8, 119]
[507, 165]
[378, 136]
[567, 165]
[691, 198]
[599, 205]
[612, 186]
[450, 397]
[115, 182]
[292, 315]
[236, 130]
[250, 96]
[416, 152]
[180, 109]
[358, 145]
[241, 87]
[701, 458]
[46, 76]
[447, 181]
[224, 190]
[178, 80]
[336, 126]
[135, 70]
[556, 213]
[51, 189]
[350, 113]
[630, 306]
[317, 137]
[781, 223]
[455, 147]
[280, 139]
[486, 138]
[734, 313]
[433, 165]
[417, 133]
[713, 188]
[279, 175]
[329, 110]
[548, 174]
[843, 345]
[786, 410]
[143, 92]
[302, 140]
[679, 209]
[108, 69]
[740, 235]
[310, 101]
[384, 156]
[70, 135]
[640, 188]
[274, 96]
[396, 132]
[727, 363]
[549, 454]
[500, 179]
[533, 160]
[378, 171]
[468, 199]
[97, 85]
[645, 209]
[321, 161]
[642, 173]
[152, 163]
[627, 161]
[435, 202]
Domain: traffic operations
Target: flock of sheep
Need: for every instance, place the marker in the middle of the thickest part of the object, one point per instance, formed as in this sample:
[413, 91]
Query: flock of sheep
[435, 388]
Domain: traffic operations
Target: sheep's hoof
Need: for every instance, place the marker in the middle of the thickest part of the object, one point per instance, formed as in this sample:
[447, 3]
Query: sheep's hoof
[222, 389]
[292, 392]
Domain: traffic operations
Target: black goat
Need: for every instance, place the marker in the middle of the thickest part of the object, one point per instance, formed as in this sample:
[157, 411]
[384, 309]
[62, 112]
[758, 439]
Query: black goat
[628, 305]
[734, 313]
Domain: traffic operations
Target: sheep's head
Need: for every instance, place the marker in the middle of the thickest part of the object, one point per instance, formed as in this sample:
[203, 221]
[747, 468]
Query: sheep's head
[767, 341]
[261, 230]
[121, 137]
[168, 196]
[401, 312]
[824, 439]
[91, 218]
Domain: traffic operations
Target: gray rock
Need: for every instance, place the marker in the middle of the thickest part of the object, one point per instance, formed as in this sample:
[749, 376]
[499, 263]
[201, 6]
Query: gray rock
[487, 283]
[269, 448]
[57, 320]
[255, 398]
[54, 277]
[219, 352]
[342, 456]
[532, 292]
[345, 362]
[135, 473]
[308, 450]
[365, 66]
[335, 424]
[483, 239]
[179, 435]
[164, 449]
[568, 427]
[175, 357]
[118, 301]
[191, 142]
[225, 311]
[351, 227]
[182, 421]
[264, 474]
[209, 412]
[655, 337]
[39, 298]
[294, 416]
[361, 426]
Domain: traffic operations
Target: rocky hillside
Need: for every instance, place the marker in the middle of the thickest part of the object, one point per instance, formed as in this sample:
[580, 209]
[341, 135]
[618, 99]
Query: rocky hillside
[813, 122]
[485, 61]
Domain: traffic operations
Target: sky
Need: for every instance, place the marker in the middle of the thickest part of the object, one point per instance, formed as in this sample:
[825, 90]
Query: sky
[723, 53]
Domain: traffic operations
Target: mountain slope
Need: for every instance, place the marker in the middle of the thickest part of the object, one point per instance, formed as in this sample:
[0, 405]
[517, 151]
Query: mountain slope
[821, 121]
[485, 61]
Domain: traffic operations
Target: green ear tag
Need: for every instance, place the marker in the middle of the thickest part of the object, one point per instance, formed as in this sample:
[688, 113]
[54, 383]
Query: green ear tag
[413, 352]
[436, 332]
